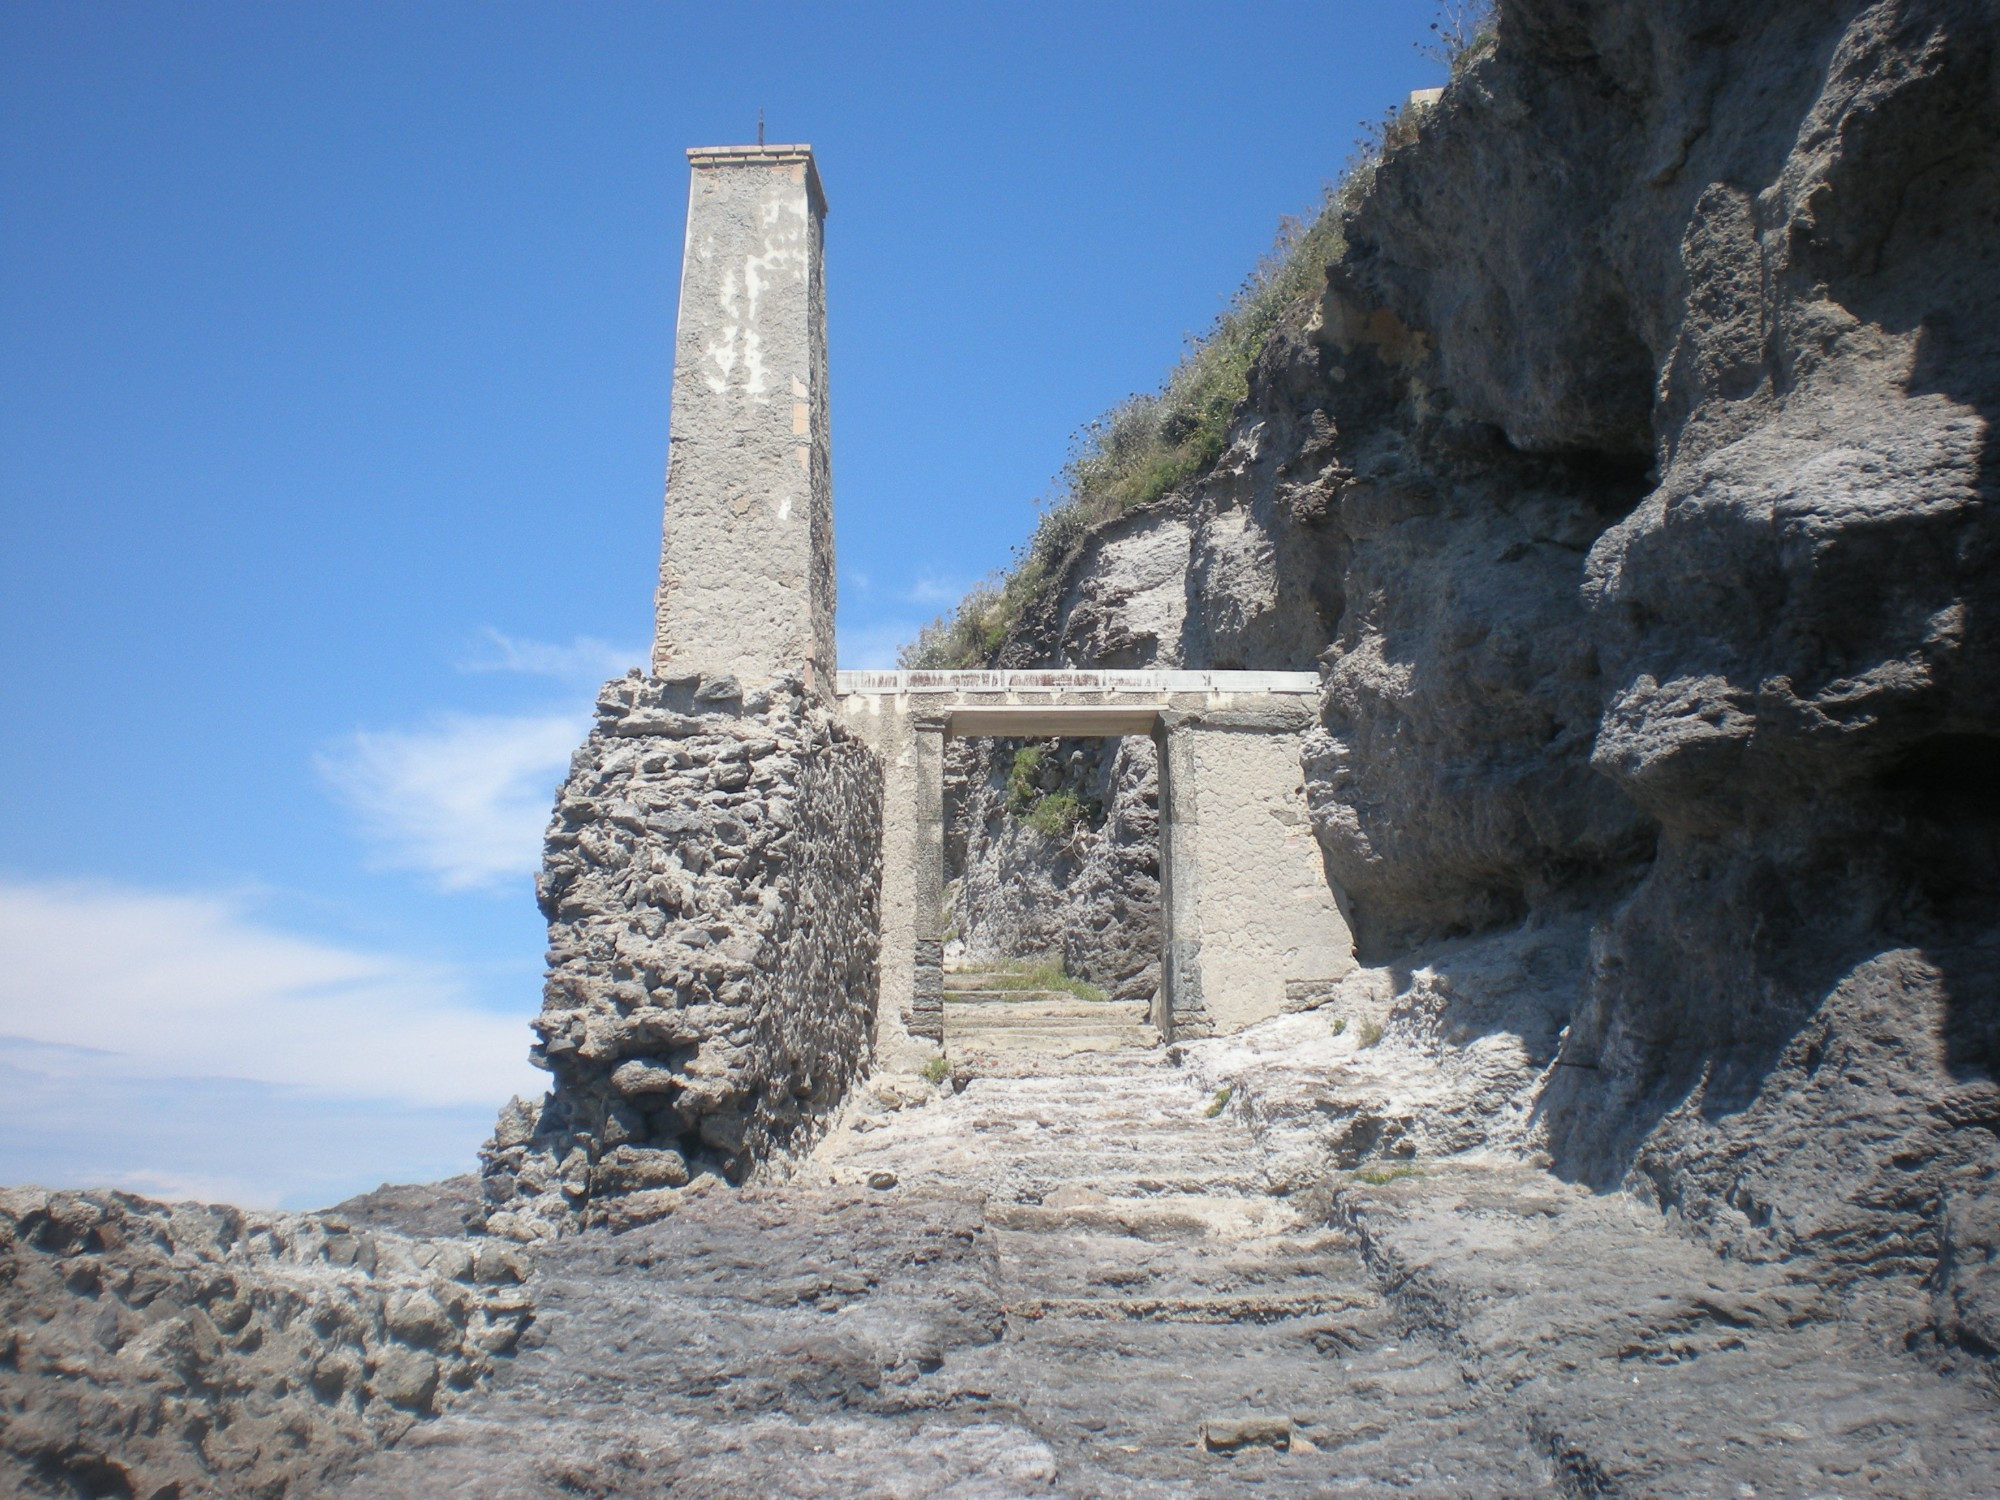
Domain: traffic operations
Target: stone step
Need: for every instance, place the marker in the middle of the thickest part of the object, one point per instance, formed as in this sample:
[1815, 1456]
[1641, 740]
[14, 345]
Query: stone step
[1184, 1217]
[1019, 1056]
[1054, 1038]
[1024, 1064]
[954, 998]
[1213, 1307]
[1016, 997]
[1037, 1177]
[1056, 1031]
[1031, 1006]
[984, 979]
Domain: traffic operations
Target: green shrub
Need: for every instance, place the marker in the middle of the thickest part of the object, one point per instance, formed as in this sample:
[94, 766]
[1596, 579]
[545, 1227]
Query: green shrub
[936, 1070]
[1339, 1025]
[1024, 780]
[1058, 815]
[1220, 1102]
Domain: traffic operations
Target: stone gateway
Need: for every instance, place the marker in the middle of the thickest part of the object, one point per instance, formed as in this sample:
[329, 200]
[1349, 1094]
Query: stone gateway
[744, 874]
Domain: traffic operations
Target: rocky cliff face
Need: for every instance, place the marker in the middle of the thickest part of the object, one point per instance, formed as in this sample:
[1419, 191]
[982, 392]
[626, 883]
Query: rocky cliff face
[1632, 484]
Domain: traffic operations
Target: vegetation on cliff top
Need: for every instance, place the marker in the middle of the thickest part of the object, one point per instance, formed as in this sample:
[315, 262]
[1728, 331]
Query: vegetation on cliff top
[1148, 444]
[1151, 444]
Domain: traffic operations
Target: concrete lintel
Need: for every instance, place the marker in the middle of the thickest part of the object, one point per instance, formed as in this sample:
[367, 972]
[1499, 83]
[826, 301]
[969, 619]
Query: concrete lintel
[1272, 718]
[1046, 720]
[1136, 681]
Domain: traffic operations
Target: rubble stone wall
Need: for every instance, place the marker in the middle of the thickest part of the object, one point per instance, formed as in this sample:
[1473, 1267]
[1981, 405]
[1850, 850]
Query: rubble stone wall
[713, 886]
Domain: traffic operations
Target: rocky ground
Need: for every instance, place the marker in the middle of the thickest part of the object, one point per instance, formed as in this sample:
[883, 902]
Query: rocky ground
[183, 1351]
[1321, 1256]
[1108, 1277]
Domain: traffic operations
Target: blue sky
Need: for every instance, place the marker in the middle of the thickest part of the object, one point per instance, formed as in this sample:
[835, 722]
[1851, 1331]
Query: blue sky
[333, 412]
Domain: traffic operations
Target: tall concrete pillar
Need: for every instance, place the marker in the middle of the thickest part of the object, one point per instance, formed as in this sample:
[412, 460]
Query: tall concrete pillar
[927, 886]
[746, 560]
[1179, 1007]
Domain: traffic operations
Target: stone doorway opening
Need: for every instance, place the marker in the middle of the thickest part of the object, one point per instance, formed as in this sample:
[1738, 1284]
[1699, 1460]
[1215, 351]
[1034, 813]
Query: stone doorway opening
[1051, 923]
[1246, 910]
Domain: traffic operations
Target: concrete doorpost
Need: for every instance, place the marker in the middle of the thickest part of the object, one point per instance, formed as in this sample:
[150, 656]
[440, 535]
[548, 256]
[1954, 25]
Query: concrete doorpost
[1178, 1009]
[1245, 904]
[927, 886]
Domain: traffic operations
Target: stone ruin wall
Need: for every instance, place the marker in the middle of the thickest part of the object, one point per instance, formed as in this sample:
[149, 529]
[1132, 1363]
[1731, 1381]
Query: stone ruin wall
[712, 883]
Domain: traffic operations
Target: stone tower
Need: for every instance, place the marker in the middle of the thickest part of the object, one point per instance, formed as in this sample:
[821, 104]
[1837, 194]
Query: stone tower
[746, 560]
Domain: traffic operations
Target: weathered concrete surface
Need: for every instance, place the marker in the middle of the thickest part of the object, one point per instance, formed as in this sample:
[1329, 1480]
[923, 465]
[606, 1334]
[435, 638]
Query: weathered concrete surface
[712, 886]
[1248, 904]
[746, 561]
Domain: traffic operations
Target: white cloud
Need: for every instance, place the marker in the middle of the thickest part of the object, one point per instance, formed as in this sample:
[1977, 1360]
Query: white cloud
[585, 659]
[144, 985]
[873, 647]
[69, 1117]
[464, 800]
[933, 589]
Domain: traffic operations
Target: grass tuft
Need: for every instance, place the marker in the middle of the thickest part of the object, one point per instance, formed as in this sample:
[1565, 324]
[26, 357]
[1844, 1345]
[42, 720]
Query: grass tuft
[1042, 974]
[1219, 1103]
[935, 1070]
[1382, 1176]
[1054, 814]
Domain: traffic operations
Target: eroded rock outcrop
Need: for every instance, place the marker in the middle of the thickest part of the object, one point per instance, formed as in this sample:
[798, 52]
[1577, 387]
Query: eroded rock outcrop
[712, 880]
[174, 1352]
[1741, 295]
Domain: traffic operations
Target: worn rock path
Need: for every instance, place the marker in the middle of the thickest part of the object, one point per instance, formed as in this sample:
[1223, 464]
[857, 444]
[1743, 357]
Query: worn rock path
[1077, 1279]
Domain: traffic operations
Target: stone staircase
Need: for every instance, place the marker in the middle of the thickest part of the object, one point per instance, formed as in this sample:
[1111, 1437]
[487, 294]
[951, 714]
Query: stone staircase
[1073, 1275]
[1165, 1306]
[995, 1028]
